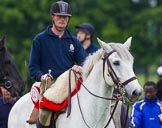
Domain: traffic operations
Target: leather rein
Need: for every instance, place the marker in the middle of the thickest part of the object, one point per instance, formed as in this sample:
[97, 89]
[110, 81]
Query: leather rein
[119, 87]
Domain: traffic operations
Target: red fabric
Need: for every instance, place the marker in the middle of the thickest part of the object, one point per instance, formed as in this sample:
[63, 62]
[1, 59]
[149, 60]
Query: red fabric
[57, 107]
[36, 105]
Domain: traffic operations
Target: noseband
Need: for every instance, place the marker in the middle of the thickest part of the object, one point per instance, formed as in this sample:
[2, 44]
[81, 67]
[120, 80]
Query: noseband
[119, 85]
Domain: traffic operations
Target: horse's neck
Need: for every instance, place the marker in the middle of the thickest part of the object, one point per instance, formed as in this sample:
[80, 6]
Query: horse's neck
[91, 104]
[95, 82]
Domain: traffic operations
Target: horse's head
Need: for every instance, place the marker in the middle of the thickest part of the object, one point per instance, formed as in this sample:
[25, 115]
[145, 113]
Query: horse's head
[118, 69]
[9, 75]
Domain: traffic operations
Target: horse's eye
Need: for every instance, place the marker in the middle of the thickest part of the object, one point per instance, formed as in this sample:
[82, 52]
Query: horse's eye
[7, 61]
[117, 63]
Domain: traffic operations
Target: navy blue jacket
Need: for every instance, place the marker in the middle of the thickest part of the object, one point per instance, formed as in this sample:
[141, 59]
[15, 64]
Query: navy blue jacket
[51, 52]
[145, 114]
[92, 48]
[4, 112]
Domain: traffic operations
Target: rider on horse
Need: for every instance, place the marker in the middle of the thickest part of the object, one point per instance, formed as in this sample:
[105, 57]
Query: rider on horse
[55, 49]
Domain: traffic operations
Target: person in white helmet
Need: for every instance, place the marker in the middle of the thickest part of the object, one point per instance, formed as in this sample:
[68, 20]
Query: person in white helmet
[159, 69]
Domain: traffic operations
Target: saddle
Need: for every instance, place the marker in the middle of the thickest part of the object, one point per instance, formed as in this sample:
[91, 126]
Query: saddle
[56, 97]
[69, 86]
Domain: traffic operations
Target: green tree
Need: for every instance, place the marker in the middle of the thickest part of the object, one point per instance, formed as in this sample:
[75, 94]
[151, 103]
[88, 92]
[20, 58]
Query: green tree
[113, 20]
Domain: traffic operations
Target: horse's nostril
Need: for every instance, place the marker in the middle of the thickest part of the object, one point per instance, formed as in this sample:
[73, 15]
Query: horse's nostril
[136, 93]
[140, 93]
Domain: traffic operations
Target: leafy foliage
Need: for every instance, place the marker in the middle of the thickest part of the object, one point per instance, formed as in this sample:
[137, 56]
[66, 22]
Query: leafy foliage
[114, 20]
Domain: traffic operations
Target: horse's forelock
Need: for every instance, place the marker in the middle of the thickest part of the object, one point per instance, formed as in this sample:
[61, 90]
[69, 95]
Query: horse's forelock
[122, 51]
[2, 43]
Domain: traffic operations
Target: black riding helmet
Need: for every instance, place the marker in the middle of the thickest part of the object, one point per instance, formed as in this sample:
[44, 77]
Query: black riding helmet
[60, 8]
[87, 28]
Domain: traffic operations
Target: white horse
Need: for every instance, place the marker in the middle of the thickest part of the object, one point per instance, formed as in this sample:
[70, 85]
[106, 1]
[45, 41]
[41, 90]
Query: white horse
[111, 65]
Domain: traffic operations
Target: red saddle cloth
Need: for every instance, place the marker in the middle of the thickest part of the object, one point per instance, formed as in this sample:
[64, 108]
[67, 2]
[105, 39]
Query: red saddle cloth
[57, 107]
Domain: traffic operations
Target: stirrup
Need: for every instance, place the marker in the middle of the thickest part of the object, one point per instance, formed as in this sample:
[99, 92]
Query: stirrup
[39, 125]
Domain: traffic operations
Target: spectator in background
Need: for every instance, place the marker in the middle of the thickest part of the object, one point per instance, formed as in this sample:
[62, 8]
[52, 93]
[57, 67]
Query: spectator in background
[145, 113]
[159, 88]
[6, 103]
[85, 36]
[159, 94]
[159, 83]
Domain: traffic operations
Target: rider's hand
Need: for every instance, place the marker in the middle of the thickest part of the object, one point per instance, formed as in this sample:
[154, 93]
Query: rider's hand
[77, 68]
[46, 78]
[42, 78]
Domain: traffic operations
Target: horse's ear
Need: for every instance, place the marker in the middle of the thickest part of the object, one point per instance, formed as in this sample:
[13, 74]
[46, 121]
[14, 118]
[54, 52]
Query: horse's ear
[127, 43]
[3, 40]
[103, 44]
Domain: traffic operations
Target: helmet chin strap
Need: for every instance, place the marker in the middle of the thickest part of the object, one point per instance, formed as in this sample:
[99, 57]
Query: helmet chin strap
[57, 28]
[57, 31]
[86, 43]
[85, 39]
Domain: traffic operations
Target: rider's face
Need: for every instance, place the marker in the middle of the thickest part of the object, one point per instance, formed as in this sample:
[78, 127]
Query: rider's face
[81, 36]
[60, 22]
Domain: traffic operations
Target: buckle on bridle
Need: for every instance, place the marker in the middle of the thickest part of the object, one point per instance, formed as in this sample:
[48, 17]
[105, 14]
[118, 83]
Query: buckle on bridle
[120, 85]
[8, 84]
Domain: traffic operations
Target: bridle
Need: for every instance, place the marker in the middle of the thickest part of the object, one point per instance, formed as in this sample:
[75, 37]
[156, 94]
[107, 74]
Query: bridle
[5, 82]
[119, 87]
[9, 85]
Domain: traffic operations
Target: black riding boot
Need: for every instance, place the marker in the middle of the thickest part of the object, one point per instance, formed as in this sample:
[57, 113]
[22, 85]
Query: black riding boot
[39, 125]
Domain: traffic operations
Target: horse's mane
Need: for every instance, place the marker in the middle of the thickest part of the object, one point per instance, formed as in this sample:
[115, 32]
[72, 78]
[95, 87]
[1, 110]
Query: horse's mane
[95, 57]
[90, 62]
